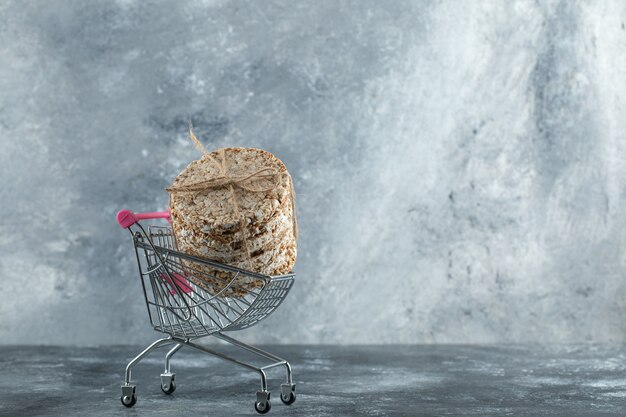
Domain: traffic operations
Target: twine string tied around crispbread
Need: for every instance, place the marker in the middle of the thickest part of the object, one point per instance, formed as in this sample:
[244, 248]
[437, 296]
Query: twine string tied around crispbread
[225, 180]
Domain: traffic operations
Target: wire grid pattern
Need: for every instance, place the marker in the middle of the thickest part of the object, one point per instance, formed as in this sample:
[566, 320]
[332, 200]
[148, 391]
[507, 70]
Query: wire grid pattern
[270, 298]
[179, 307]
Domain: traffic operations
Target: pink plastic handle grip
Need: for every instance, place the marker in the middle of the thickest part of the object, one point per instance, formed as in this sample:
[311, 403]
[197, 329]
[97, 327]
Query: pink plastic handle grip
[127, 218]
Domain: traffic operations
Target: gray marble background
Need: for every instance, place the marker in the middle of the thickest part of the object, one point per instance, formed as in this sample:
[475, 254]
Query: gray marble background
[460, 166]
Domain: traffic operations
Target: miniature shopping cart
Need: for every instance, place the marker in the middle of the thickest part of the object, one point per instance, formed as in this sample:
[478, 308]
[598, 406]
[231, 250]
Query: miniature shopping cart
[180, 306]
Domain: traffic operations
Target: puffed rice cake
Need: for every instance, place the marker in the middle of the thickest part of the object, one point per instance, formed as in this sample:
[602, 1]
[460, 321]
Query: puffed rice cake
[205, 223]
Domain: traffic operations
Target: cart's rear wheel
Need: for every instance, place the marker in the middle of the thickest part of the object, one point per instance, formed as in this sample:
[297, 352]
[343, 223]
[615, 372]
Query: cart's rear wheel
[170, 388]
[262, 407]
[288, 399]
[128, 401]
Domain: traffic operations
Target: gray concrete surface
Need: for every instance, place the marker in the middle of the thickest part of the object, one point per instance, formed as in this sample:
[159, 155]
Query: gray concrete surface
[421, 380]
[460, 170]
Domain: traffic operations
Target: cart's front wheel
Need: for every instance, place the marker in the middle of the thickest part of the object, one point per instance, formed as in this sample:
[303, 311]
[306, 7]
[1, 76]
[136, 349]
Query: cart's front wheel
[288, 393]
[168, 388]
[262, 407]
[128, 401]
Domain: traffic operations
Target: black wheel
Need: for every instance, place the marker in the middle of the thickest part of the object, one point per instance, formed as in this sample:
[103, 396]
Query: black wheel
[169, 389]
[263, 408]
[289, 399]
[128, 401]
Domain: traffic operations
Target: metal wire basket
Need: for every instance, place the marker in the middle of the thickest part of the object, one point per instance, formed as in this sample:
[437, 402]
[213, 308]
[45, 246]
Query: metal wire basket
[184, 308]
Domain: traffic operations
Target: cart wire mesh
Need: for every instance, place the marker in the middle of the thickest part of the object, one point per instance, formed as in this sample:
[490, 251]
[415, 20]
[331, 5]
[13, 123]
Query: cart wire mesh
[178, 302]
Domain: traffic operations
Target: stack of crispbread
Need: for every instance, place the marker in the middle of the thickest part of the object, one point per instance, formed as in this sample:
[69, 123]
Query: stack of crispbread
[235, 206]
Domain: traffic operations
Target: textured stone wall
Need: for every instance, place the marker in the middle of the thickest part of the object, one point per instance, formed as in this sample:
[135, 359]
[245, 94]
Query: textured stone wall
[460, 166]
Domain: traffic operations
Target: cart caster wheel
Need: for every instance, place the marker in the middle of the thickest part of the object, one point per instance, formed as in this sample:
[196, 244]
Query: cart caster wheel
[289, 399]
[129, 395]
[262, 404]
[288, 393]
[168, 384]
[168, 389]
[128, 401]
[262, 408]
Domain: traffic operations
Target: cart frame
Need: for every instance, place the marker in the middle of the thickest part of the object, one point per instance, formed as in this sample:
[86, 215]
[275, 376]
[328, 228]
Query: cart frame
[185, 310]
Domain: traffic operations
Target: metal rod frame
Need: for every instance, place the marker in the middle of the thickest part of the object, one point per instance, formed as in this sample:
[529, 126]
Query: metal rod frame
[186, 312]
[188, 342]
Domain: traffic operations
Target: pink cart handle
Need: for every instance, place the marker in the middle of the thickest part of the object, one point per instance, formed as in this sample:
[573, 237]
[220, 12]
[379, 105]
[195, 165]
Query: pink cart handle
[127, 218]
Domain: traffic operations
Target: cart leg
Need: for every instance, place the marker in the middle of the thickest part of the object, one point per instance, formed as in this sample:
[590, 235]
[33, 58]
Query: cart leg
[168, 382]
[288, 389]
[260, 352]
[233, 360]
[129, 391]
[262, 404]
[169, 355]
